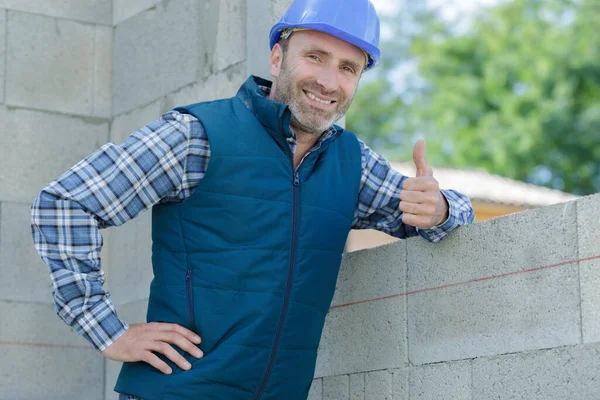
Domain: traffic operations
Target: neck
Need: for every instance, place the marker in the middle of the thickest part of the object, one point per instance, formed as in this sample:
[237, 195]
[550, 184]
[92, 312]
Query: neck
[306, 139]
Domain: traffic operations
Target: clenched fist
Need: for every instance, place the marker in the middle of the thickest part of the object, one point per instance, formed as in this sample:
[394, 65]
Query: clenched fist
[422, 203]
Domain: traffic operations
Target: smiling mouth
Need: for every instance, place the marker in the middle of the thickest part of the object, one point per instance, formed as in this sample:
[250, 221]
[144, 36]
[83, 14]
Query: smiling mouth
[319, 100]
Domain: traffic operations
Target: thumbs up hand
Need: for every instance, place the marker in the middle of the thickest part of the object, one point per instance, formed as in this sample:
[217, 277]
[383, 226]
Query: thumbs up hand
[422, 203]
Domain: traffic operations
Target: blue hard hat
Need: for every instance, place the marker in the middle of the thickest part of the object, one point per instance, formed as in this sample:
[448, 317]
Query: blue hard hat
[354, 21]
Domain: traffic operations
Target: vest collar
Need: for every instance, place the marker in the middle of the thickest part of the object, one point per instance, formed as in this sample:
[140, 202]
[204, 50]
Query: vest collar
[274, 116]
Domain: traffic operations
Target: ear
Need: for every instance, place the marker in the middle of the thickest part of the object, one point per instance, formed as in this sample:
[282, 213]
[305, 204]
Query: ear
[275, 60]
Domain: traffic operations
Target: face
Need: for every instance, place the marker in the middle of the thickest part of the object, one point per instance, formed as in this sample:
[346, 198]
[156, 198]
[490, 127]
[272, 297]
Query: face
[317, 79]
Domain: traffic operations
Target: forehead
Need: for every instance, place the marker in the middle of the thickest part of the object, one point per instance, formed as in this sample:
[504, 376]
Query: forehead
[303, 40]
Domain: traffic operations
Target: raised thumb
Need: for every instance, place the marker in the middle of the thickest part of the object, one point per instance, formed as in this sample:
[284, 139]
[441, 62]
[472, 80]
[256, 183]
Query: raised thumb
[423, 169]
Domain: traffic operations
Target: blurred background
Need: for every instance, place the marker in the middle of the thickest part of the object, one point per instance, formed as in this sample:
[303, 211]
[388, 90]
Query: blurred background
[506, 94]
[509, 86]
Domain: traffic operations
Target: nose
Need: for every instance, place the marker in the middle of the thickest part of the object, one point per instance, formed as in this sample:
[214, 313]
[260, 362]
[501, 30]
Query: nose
[328, 78]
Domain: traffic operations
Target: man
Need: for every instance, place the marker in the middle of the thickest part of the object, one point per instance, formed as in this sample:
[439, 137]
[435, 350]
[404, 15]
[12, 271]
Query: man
[252, 200]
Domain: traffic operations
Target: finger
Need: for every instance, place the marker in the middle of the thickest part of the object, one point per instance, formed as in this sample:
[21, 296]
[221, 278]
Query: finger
[191, 336]
[423, 169]
[170, 353]
[156, 362]
[416, 220]
[425, 210]
[180, 341]
[423, 184]
[418, 197]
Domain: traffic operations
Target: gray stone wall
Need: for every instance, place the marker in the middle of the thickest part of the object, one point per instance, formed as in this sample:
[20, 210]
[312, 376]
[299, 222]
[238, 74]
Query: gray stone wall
[55, 108]
[504, 309]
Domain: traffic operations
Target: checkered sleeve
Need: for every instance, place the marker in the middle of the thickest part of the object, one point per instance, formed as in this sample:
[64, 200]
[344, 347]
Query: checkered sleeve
[162, 162]
[379, 202]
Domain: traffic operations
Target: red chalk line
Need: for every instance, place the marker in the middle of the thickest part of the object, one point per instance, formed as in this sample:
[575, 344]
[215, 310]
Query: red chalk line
[487, 278]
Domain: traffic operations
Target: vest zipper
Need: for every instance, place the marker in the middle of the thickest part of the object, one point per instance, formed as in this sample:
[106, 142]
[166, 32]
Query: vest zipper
[190, 298]
[288, 288]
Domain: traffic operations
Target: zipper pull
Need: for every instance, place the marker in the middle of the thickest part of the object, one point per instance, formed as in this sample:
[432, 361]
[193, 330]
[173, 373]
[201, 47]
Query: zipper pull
[188, 274]
[296, 179]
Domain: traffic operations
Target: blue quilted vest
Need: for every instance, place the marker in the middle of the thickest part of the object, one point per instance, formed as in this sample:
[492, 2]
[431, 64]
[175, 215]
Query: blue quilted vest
[250, 260]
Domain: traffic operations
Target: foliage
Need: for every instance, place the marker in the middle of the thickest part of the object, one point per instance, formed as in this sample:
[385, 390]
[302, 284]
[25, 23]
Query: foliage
[517, 93]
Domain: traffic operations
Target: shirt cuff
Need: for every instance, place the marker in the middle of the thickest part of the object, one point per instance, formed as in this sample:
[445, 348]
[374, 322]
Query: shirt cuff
[438, 232]
[100, 325]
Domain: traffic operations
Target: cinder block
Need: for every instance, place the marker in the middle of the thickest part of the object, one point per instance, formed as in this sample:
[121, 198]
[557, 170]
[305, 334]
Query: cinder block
[129, 269]
[34, 324]
[258, 25]
[42, 147]
[51, 373]
[516, 242]
[224, 36]
[336, 387]
[127, 123]
[441, 381]
[124, 9]
[378, 385]
[371, 274]
[111, 374]
[316, 390]
[588, 230]
[558, 374]
[2, 52]
[590, 300]
[516, 313]
[588, 226]
[65, 49]
[101, 105]
[25, 277]
[357, 387]
[155, 52]
[220, 85]
[278, 7]
[363, 337]
[134, 312]
[400, 384]
[94, 11]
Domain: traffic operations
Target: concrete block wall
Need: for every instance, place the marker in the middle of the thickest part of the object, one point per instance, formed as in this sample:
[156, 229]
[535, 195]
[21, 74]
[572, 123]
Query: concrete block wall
[55, 101]
[504, 309]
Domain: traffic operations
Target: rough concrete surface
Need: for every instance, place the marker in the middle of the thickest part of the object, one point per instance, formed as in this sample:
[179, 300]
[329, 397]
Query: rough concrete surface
[53, 373]
[517, 313]
[441, 381]
[363, 337]
[372, 274]
[516, 242]
[557, 374]
[42, 146]
[67, 52]
[25, 277]
[92, 11]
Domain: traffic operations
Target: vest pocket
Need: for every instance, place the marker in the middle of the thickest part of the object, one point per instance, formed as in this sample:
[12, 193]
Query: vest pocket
[190, 298]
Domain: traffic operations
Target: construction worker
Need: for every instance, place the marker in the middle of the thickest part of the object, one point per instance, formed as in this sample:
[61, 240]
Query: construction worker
[252, 200]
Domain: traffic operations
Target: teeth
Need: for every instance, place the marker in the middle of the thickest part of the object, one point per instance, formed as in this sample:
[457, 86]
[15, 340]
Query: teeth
[312, 96]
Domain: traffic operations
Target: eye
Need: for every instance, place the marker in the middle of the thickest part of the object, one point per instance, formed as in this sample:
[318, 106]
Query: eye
[349, 70]
[314, 57]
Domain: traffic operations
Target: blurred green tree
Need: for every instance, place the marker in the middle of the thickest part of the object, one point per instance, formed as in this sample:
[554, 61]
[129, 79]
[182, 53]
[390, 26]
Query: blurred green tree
[517, 92]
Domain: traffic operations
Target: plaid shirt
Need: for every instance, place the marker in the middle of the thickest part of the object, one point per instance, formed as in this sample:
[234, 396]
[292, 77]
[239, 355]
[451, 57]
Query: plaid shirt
[161, 163]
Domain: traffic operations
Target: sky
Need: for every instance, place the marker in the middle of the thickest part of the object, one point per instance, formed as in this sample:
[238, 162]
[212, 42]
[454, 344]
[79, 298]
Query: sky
[451, 9]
